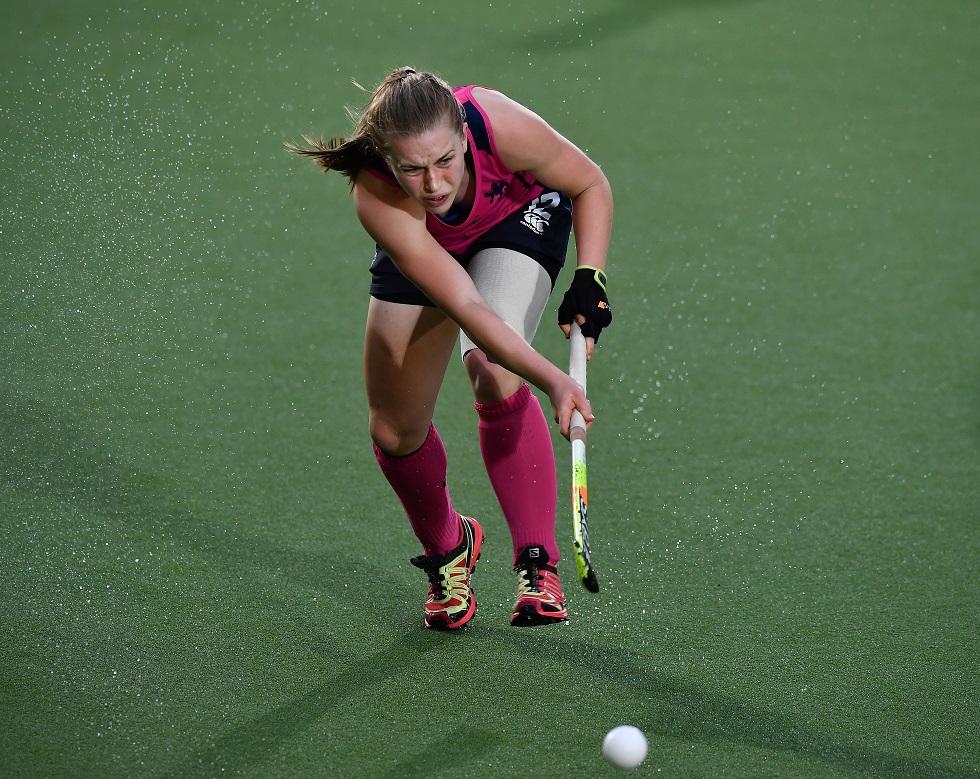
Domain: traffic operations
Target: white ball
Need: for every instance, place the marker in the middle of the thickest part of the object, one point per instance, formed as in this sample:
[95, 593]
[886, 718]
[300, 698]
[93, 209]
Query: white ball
[625, 746]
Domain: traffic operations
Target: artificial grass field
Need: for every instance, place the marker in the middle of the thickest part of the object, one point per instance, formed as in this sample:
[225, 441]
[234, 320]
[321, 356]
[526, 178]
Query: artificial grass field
[203, 572]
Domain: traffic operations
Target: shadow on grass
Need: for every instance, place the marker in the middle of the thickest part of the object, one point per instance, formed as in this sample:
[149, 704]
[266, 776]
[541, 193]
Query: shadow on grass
[664, 707]
[669, 709]
[45, 457]
[252, 743]
[41, 451]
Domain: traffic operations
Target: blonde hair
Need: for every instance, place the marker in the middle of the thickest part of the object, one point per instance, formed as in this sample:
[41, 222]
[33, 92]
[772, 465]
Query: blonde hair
[406, 104]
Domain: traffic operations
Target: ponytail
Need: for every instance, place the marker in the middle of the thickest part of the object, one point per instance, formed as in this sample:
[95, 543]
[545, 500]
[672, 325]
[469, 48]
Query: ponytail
[339, 154]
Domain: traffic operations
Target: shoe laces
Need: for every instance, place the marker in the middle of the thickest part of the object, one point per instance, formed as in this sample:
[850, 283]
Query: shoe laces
[529, 579]
[527, 582]
[448, 579]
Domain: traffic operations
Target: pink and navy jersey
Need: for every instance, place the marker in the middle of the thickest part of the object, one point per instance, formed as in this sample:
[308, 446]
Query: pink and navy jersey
[500, 191]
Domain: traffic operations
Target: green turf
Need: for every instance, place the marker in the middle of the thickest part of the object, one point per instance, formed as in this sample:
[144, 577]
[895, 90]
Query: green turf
[203, 572]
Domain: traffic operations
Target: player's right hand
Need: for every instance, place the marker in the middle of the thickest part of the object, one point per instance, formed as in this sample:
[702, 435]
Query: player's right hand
[567, 397]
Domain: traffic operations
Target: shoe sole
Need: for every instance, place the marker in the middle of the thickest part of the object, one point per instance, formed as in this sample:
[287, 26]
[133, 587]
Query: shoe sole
[528, 617]
[441, 623]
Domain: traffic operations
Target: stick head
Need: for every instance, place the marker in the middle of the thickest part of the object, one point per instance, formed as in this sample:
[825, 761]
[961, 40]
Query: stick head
[585, 573]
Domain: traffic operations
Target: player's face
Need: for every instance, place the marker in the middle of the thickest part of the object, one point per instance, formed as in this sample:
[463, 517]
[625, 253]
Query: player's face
[431, 168]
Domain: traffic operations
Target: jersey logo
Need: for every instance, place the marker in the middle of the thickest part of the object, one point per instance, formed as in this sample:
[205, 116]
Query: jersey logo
[497, 189]
[537, 217]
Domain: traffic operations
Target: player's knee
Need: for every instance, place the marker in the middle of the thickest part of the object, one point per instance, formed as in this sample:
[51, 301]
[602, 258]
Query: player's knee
[491, 383]
[397, 439]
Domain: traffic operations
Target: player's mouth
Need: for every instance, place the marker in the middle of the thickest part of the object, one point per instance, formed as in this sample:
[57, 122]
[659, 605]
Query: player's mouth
[437, 201]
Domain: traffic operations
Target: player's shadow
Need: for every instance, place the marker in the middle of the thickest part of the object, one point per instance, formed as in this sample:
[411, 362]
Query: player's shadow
[42, 451]
[666, 708]
[45, 457]
[251, 743]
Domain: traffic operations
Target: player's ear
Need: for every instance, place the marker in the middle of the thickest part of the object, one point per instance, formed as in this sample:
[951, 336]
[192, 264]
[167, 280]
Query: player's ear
[465, 139]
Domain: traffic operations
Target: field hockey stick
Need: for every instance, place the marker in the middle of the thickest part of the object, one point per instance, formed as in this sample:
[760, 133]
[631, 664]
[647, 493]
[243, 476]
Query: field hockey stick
[580, 482]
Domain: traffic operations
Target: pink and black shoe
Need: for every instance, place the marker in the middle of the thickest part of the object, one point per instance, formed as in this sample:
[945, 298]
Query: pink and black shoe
[540, 600]
[451, 602]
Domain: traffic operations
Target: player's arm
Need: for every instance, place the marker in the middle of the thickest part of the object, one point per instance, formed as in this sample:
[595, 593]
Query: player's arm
[526, 142]
[397, 223]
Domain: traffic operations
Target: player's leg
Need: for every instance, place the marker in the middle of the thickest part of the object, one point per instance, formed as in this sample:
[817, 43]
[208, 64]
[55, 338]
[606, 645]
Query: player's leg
[515, 438]
[407, 349]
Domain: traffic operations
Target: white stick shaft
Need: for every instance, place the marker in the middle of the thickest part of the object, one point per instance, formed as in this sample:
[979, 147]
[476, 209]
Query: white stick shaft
[576, 369]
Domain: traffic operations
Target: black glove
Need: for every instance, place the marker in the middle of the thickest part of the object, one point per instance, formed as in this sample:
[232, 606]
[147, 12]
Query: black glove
[587, 296]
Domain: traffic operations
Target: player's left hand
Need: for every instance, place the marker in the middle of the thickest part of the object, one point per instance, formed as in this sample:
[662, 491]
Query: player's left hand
[586, 302]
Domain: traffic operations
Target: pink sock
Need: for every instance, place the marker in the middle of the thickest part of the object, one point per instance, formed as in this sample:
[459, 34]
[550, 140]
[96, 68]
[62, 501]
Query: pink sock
[419, 481]
[516, 444]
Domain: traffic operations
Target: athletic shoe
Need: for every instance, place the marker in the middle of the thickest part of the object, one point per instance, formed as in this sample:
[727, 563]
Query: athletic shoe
[540, 600]
[451, 602]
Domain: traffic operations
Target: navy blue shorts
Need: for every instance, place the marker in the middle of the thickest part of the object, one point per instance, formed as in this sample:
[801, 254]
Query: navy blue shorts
[540, 230]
